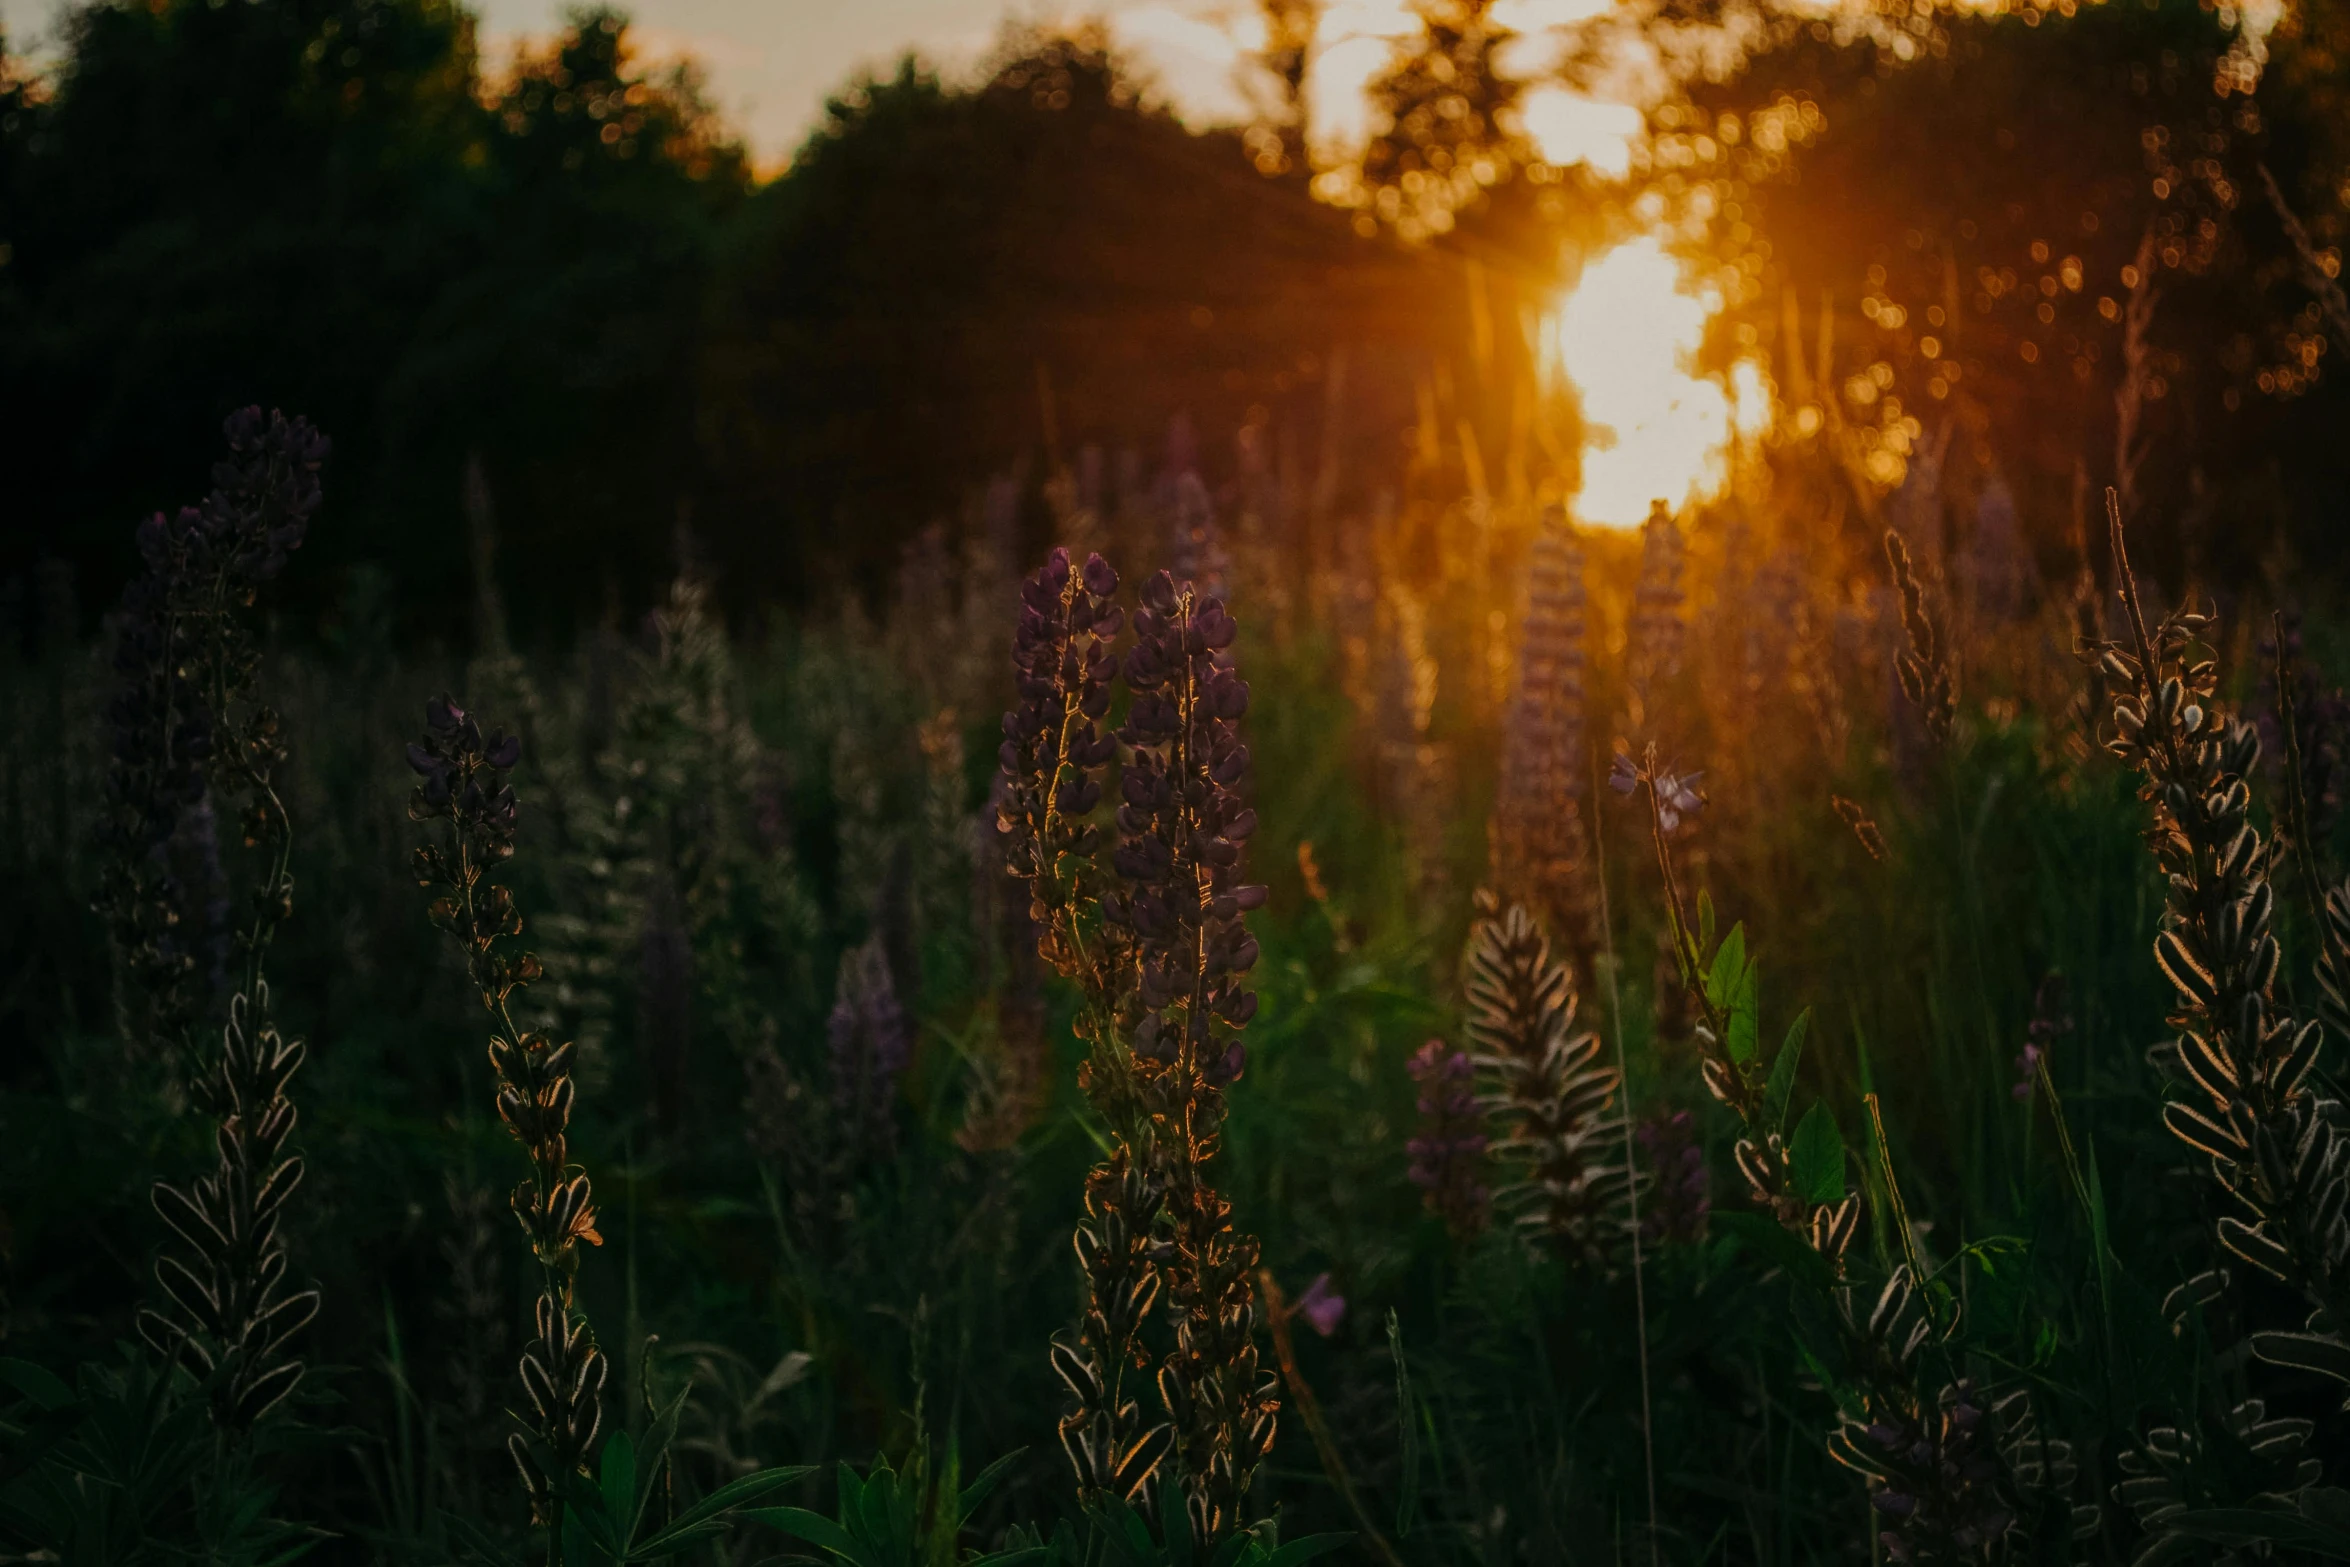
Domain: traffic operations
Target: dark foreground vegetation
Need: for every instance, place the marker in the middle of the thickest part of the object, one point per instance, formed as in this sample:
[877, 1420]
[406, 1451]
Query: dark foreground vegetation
[637, 960]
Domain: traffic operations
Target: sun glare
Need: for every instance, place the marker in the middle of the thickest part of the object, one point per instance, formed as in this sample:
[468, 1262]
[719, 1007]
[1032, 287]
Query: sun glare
[1627, 336]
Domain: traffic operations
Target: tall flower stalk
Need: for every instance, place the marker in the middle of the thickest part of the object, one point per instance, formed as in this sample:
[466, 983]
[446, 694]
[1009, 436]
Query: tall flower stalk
[1537, 845]
[187, 734]
[1448, 1145]
[462, 784]
[1055, 748]
[1159, 957]
[1182, 827]
[2251, 1107]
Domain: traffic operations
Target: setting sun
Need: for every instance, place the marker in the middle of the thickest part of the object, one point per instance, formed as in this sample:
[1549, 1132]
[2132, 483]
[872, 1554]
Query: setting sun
[1626, 335]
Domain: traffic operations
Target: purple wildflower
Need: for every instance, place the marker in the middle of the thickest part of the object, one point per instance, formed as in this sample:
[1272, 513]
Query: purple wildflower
[1182, 828]
[1322, 1307]
[871, 1044]
[1448, 1153]
[2051, 1021]
[1681, 1198]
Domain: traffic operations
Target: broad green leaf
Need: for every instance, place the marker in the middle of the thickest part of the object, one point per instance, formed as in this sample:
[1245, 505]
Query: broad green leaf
[584, 1512]
[1774, 1244]
[673, 1541]
[1721, 981]
[1816, 1158]
[1783, 1066]
[985, 1481]
[2263, 1526]
[1177, 1521]
[814, 1528]
[578, 1545]
[1307, 1549]
[733, 1494]
[1745, 1016]
[1241, 1550]
[42, 1387]
[619, 1483]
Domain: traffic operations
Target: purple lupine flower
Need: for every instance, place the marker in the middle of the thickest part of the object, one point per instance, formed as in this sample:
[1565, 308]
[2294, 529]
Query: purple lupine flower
[1941, 1480]
[871, 1044]
[1054, 746]
[1448, 1148]
[1536, 838]
[2051, 1021]
[182, 639]
[1677, 795]
[1322, 1307]
[1681, 1197]
[1182, 828]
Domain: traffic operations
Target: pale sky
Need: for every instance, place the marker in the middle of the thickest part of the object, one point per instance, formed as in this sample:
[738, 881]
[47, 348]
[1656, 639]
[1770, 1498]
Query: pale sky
[771, 63]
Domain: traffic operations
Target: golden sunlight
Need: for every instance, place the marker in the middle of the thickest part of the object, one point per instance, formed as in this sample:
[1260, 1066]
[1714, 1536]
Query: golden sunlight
[1626, 335]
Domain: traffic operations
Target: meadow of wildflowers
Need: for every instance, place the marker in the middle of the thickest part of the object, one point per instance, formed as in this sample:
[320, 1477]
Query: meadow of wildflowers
[1097, 1064]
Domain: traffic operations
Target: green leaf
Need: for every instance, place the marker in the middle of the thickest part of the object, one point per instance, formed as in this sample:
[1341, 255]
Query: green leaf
[584, 1513]
[1783, 1065]
[879, 1512]
[674, 1541]
[814, 1528]
[576, 1540]
[1407, 1506]
[1721, 981]
[1816, 1158]
[40, 1386]
[2263, 1526]
[1241, 1550]
[619, 1484]
[733, 1494]
[1177, 1521]
[1745, 1016]
[1307, 1549]
[1771, 1241]
[985, 1481]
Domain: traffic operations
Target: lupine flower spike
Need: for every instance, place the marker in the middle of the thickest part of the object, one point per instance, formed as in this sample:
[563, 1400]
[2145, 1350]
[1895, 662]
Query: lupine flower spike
[1182, 826]
[2253, 1107]
[462, 784]
[1546, 1092]
[1448, 1148]
[1048, 790]
[186, 733]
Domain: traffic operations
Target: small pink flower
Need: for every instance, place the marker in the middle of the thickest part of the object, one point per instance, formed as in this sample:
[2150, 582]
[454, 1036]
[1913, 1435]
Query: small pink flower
[1322, 1306]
